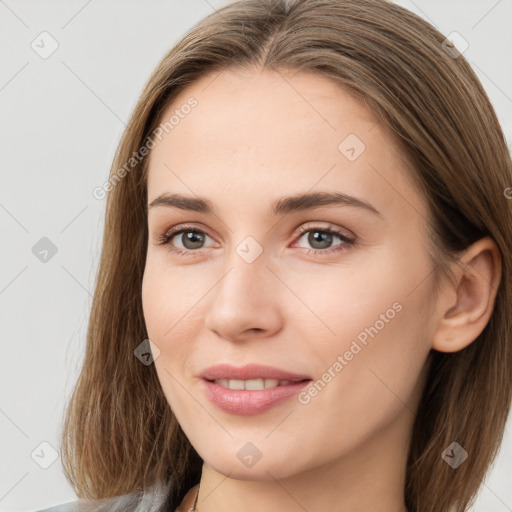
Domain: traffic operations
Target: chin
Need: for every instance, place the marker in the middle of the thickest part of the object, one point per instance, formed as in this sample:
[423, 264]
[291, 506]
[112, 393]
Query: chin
[229, 460]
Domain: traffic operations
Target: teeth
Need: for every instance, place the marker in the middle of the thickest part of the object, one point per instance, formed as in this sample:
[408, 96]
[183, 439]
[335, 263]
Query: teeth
[254, 384]
[260, 383]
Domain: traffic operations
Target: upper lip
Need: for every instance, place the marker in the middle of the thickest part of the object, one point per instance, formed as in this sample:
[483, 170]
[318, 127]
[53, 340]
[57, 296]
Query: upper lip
[250, 371]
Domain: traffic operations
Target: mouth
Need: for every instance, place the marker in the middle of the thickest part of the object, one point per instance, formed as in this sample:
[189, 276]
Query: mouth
[250, 389]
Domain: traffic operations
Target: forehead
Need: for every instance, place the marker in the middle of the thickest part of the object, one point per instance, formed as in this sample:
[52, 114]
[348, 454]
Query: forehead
[267, 132]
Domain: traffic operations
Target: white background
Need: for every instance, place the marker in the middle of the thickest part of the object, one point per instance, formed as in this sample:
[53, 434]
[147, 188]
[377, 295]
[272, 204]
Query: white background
[62, 118]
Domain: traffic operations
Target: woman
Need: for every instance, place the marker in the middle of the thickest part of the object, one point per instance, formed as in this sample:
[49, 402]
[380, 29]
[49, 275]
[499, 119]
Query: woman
[303, 299]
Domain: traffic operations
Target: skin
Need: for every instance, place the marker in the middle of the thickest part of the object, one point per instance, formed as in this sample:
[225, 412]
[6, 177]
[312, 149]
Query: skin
[256, 136]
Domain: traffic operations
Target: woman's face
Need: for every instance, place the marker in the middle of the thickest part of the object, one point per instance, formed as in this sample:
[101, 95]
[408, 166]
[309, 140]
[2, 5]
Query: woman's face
[265, 282]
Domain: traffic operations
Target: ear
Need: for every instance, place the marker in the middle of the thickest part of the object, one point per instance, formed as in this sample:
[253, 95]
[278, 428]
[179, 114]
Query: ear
[466, 306]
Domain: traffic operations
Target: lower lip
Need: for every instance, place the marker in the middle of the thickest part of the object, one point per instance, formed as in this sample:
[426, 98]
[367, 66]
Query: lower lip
[247, 402]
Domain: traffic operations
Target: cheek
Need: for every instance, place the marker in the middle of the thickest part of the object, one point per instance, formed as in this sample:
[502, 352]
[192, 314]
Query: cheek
[172, 314]
[152, 304]
[339, 302]
[380, 294]
[362, 387]
[369, 333]
[166, 319]
[168, 302]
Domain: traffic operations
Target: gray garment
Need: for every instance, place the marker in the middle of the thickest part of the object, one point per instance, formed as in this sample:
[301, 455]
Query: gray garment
[64, 507]
[152, 500]
[111, 504]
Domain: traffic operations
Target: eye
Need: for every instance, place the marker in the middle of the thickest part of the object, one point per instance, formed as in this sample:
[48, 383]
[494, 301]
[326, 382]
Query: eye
[320, 238]
[193, 239]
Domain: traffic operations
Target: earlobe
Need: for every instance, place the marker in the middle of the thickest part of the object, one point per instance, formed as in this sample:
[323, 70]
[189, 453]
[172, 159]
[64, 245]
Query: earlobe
[466, 307]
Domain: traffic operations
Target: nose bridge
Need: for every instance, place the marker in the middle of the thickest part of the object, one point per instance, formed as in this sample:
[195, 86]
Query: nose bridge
[244, 297]
[247, 269]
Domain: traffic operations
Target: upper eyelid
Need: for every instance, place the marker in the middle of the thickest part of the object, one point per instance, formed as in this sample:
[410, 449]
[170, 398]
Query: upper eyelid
[304, 226]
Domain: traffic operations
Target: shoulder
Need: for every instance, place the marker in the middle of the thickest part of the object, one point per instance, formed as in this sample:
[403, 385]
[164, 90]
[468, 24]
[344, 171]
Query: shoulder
[71, 506]
[126, 502]
[153, 499]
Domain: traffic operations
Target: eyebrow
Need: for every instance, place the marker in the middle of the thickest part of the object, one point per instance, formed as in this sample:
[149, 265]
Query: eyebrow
[283, 205]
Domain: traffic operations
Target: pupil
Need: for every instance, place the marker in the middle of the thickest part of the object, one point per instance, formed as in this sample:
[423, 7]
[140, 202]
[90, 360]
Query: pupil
[189, 238]
[322, 237]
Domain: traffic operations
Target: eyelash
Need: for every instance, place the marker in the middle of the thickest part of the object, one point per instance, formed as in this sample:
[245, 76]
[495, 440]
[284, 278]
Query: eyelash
[165, 239]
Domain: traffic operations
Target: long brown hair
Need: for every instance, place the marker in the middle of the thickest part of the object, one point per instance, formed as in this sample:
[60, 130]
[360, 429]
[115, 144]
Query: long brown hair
[119, 433]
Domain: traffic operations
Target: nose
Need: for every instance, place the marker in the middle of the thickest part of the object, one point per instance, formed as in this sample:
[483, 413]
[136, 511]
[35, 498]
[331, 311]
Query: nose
[245, 302]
